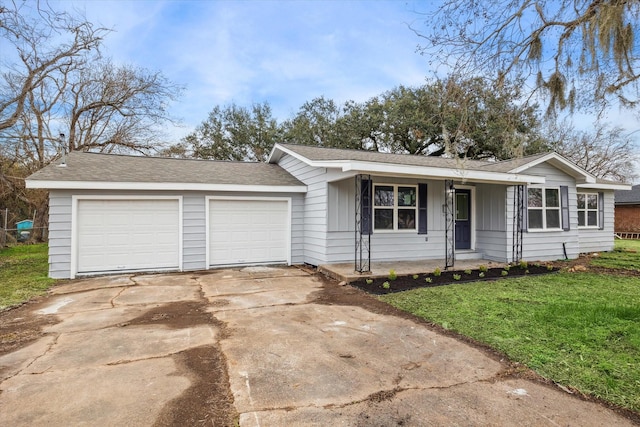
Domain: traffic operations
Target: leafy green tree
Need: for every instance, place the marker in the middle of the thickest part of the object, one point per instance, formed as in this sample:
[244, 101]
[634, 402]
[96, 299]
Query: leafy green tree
[459, 117]
[232, 133]
[316, 123]
[581, 52]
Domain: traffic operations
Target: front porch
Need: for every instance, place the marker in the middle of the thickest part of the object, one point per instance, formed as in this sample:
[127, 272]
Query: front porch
[345, 271]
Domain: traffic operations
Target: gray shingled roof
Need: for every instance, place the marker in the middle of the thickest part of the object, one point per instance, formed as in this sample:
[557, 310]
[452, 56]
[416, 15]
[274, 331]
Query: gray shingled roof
[628, 197]
[93, 167]
[337, 154]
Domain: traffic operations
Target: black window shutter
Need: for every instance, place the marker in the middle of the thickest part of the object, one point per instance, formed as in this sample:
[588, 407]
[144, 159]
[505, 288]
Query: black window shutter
[600, 210]
[365, 214]
[564, 205]
[422, 208]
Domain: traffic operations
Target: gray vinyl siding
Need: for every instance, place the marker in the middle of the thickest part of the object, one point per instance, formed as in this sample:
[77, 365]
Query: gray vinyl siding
[193, 223]
[385, 245]
[314, 220]
[194, 237]
[491, 222]
[59, 235]
[548, 245]
[593, 239]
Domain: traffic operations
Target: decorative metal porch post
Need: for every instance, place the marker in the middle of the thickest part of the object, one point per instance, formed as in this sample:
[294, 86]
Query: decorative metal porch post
[363, 224]
[449, 223]
[518, 222]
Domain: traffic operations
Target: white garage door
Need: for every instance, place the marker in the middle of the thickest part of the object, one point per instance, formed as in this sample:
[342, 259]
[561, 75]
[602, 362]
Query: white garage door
[116, 235]
[248, 231]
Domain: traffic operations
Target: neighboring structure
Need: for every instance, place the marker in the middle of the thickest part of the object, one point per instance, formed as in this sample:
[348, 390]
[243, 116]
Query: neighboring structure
[317, 206]
[627, 216]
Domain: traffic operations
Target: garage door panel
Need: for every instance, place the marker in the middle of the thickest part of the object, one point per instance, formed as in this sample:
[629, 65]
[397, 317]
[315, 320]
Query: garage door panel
[128, 235]
[248, 231]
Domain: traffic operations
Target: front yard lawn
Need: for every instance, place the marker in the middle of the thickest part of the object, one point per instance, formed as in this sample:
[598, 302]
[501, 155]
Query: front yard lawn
[23, 274]
[626, 255]
[581, 330]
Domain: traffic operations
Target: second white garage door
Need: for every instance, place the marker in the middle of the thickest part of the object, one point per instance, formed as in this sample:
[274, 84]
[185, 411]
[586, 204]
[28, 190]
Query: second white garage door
[248, 231]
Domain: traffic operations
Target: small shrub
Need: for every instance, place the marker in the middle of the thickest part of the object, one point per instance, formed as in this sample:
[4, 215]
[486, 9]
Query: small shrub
[549, 267]
[467, 271]
[505, 272]
[507, 268]
[392, 274]
[415, 277]
[526, 272]
[481, 275]
[437, 272]
[524, 264]
[369, 281]
[428, 280]
[457, 277]
[483, 268]
[386, 285]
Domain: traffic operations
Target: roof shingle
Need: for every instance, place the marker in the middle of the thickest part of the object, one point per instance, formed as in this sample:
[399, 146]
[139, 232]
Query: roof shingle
[94, 167]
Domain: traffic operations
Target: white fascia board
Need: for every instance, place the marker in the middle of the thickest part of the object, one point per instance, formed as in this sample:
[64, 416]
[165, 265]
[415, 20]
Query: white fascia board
[604, 186]
[442, 173]
[162, 186]
[567, 165]
[312, 163]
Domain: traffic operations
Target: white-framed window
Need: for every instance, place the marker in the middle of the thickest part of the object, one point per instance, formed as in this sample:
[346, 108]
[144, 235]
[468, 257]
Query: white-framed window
[543, 206]
[395, 207]
[588, 210]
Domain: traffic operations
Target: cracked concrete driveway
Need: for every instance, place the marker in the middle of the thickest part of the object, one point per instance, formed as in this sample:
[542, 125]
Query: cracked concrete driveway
[270, 346]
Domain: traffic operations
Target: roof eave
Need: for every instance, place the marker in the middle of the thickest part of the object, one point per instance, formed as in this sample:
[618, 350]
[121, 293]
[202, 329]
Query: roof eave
[161, 186]
[442, 173]
[605, 186]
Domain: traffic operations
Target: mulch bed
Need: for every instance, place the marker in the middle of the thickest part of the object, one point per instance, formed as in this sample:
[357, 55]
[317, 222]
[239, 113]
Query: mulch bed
[377, 286]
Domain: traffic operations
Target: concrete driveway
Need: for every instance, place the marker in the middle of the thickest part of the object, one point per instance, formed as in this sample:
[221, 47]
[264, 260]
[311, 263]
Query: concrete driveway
[272, 346]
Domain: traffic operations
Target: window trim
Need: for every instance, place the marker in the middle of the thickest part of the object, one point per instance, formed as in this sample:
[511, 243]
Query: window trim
[586, 210]
[395, 209]
[543, 209]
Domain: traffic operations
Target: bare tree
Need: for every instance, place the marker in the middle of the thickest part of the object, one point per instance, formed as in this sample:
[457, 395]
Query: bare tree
[581, 52]
[109, 108]
[57, 82]
[36, 58]
[606, 152]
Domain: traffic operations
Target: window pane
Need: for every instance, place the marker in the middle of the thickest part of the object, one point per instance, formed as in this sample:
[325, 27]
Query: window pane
[462, 207]
[535, 218]
[553, 218]
[406, 219]
[383, 195]
[581, 218]
[592, 201]
[580, 201]
[383, 219]
[592, 218]
[406, 196]
[552, 199]
[534, 197]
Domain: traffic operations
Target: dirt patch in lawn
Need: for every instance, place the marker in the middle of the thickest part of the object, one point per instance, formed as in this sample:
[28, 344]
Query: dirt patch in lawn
[386, 285]
[19, 327]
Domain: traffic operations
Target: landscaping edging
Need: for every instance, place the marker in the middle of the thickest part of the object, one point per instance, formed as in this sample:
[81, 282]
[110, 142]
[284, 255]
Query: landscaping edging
[386, 285]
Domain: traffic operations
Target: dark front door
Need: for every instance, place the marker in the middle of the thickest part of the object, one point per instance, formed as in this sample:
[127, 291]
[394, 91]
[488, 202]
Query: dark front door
[463, 219]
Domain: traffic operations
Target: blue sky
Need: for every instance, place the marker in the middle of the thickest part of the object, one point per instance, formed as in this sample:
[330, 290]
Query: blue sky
[283, 52]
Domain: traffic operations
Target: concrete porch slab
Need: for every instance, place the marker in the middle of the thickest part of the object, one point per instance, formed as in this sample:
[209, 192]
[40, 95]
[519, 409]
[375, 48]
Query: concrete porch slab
[346, 272]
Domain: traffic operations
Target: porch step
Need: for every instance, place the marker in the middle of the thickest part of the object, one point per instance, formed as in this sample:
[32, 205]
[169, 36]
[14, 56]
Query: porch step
[465, 255]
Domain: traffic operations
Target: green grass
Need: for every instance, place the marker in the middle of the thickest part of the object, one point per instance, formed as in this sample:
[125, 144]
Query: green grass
[626, 255]
[23, 274]
[578, 329]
